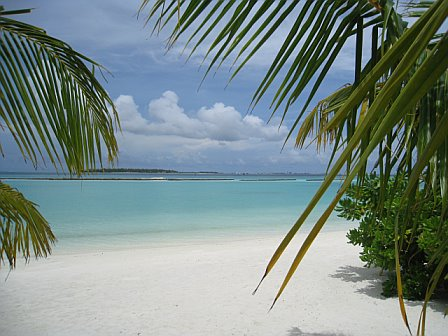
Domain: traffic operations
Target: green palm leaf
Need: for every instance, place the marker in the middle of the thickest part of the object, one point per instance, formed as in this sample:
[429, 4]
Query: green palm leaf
[397, 104]
[51, 102]
[317, 27]
[23, 229]
[54, 107]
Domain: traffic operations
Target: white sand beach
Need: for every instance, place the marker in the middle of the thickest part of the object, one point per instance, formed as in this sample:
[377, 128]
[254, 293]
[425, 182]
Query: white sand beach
[203, 289]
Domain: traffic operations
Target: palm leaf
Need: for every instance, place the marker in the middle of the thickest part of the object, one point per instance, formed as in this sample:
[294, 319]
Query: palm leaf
[375, 113]
[23, 228]
[317, 27]
[316, 121]
[55, 108]
[415, 89]
[51, 102]
[383, 110]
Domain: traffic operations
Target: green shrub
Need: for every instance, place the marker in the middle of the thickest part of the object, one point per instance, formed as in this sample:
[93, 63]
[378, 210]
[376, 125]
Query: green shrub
[423, 232]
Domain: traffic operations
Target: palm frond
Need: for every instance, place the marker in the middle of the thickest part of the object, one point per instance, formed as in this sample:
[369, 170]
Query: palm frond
[396, 106]
[23, 228]
[54, 107]
[315, 123]
[318, 31]
[51, 102]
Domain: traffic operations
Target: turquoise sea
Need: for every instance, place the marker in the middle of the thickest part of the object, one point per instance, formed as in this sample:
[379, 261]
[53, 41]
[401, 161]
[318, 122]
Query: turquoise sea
[130, 211]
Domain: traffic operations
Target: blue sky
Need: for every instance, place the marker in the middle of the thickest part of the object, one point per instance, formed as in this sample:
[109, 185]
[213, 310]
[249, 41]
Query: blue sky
[167, 122]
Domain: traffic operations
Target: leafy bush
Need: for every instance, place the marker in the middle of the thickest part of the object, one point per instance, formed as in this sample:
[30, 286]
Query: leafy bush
[423, 232]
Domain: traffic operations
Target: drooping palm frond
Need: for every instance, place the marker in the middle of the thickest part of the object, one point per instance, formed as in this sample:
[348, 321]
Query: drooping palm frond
[379, 118]
[396, 105]
[22, 228]
[315, 123]
[55, 108]
[240, 29]
[51, 101]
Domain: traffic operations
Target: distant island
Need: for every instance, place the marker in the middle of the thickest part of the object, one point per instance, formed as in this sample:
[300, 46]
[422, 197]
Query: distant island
[157, 174]
[145, 171]
[172, 171]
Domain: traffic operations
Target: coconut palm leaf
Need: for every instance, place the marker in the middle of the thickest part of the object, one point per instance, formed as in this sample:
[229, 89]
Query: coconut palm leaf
[55, 109]
[420, 83]
[396, 105]
[23, 228]
[316, 121]
[51, 102]
[316, 36]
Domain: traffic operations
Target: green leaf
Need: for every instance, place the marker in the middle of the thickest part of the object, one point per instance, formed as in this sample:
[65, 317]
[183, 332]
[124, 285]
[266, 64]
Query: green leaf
[21, 223]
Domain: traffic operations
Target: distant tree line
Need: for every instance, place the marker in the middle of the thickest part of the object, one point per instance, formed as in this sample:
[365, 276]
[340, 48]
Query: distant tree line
[144, 170]
[132, 170]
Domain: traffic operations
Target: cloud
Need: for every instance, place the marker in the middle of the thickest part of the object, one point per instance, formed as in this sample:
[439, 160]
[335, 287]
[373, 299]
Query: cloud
[214, 138]
[216, 123]
[126, 40]
[172, 132]
[210, 138]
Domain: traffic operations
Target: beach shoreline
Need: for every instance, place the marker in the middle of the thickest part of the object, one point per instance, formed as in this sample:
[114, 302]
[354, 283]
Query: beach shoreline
[204, 288]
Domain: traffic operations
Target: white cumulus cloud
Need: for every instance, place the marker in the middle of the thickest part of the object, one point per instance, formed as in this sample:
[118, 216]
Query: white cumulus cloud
[216, 137]
[218, 122]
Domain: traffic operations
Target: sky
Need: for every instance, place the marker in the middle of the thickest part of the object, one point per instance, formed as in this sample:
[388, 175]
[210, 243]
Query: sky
[168, 119]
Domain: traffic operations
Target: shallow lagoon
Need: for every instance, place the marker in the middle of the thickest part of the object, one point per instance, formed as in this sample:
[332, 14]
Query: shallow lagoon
[86, 214]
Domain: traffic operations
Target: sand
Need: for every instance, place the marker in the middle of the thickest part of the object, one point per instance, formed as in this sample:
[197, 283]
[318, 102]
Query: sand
[203, 289]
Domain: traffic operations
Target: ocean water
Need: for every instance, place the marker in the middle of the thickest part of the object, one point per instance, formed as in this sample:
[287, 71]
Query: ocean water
[100, 214]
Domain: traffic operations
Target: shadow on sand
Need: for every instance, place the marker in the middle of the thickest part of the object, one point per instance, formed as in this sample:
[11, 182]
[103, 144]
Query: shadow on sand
[373, 285]
[297, 332]
[370, 276]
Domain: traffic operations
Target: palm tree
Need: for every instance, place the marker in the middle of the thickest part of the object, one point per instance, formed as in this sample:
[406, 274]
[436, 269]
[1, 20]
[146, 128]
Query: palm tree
[395, 109]
[56, 110]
